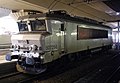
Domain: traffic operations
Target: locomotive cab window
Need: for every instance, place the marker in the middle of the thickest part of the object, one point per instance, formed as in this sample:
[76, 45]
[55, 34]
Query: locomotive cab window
[86, 33]
[62, 27]
[22, 25]
[38, 25]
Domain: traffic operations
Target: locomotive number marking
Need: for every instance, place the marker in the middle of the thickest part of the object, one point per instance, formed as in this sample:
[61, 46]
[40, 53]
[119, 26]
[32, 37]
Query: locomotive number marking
[51, 47]
[23, 41]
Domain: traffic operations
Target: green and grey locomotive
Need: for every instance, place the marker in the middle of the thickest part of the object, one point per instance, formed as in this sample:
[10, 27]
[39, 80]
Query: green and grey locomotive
[46, 37]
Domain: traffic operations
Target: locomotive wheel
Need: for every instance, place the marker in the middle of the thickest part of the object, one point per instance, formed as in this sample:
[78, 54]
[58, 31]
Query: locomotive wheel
[78, 56]
[72, 57]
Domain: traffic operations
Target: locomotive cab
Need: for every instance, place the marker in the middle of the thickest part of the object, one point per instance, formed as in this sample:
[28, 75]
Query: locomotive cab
[34, 25]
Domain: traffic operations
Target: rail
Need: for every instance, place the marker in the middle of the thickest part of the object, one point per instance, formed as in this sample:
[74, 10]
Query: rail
[49, 74]
[9, 75]
[93, 72]
[114, 72]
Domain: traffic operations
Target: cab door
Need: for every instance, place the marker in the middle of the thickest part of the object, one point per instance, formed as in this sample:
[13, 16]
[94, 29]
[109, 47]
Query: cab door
[62, 39]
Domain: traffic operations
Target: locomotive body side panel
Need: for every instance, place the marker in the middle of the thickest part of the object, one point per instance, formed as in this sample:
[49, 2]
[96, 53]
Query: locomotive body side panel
[75, 45]
[54, 43]
[69, 40]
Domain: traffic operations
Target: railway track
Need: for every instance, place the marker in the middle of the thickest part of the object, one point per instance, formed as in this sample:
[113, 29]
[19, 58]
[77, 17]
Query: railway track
[59, 74]
[6, 68]
[102, 72]
[50, 76]
[14, 77]
[9, 75]
[114, 78]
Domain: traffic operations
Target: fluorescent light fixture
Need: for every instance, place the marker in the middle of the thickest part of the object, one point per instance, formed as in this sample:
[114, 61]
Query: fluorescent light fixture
[117, 13]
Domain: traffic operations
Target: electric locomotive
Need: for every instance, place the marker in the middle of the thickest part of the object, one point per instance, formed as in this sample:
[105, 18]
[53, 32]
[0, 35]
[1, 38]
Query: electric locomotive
[46, 37]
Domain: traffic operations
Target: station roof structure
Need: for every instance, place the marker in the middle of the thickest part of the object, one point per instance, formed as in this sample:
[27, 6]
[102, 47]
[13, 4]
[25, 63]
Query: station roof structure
[100, 10]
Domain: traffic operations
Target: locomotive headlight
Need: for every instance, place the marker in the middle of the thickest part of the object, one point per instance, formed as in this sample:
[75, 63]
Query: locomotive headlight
[33, 48]
[41, 57]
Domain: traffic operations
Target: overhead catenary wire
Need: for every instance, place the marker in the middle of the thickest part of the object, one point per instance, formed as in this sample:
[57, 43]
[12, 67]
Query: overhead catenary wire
[77, 9]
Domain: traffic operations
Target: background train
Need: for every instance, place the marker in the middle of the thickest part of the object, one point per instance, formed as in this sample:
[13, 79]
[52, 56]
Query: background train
[46, 37]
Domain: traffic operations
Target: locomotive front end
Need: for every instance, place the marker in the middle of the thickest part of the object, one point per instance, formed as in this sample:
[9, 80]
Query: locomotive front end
[29, 51]
[28, 46]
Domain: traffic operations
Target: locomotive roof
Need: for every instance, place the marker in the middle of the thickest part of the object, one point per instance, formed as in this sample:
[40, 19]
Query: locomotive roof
[63, 16]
